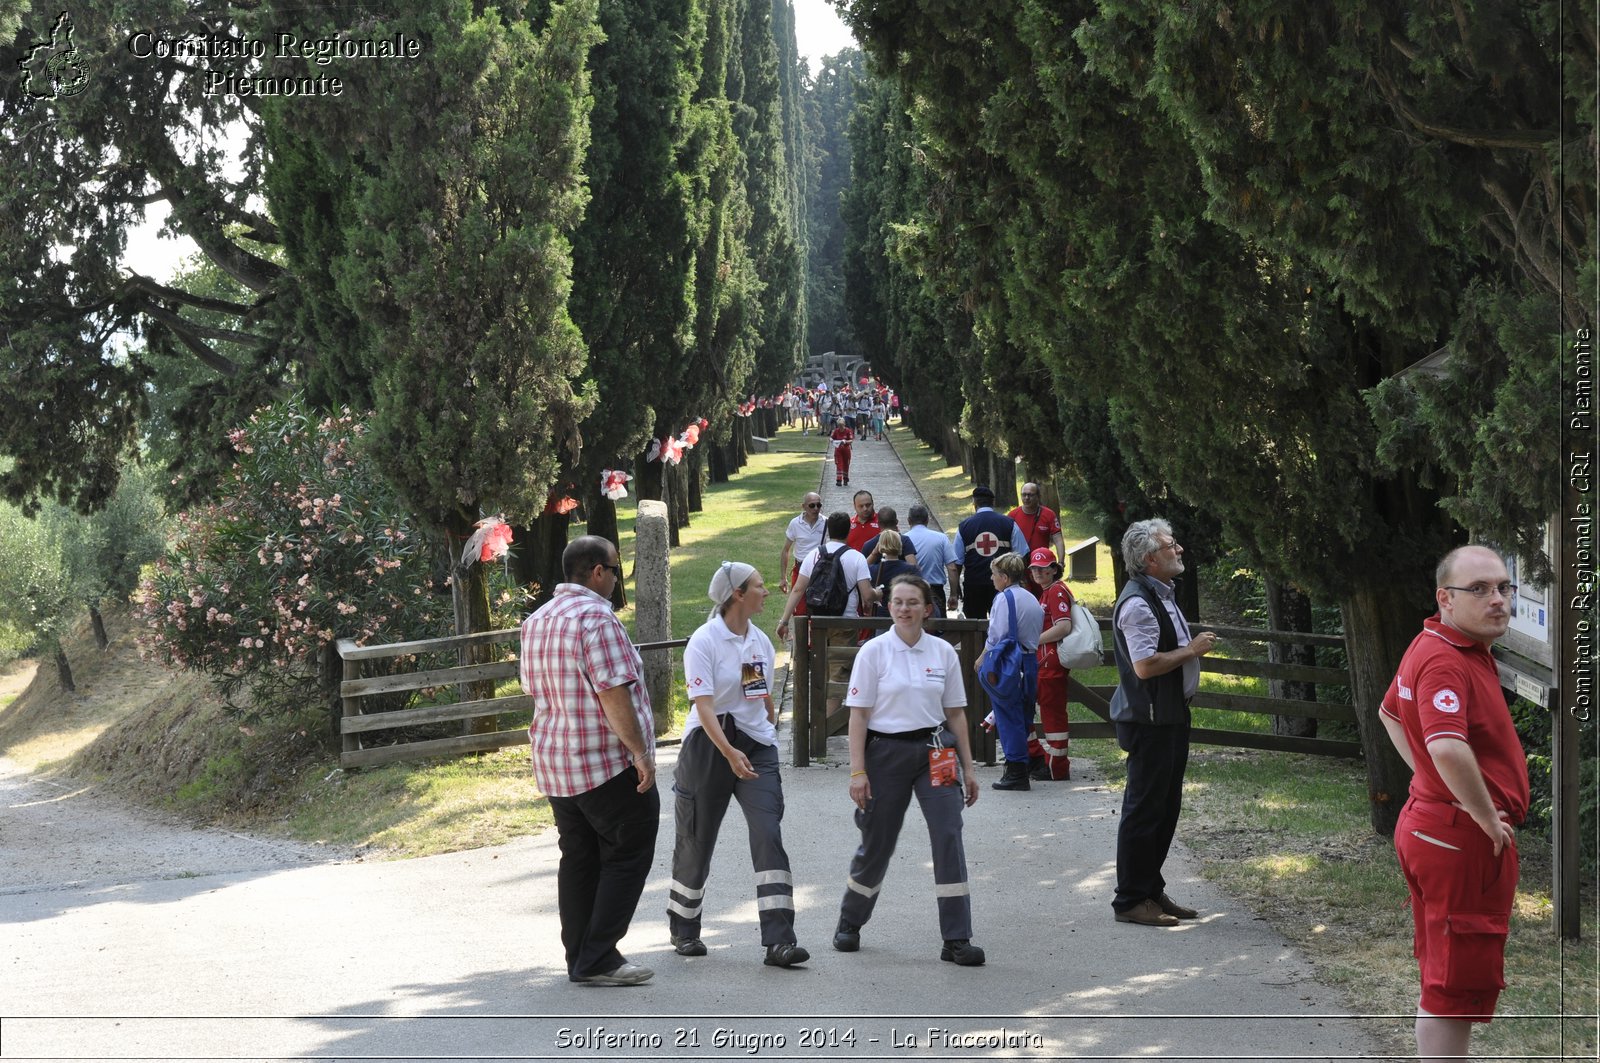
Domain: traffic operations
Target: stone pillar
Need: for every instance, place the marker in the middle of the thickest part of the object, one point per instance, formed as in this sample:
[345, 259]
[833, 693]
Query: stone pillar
[652, 606]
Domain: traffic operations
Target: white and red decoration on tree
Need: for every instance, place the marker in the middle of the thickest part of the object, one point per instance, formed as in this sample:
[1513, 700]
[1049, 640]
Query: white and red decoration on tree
[614, 484]
[670, 451]
[489, 543]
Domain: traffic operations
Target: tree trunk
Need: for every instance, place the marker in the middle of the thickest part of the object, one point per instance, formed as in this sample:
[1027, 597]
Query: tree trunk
[603, 522]
[1379, 622]
[678, 503]
[469, 594]
[1289, 610]
[536, 556]
[741, 443]
[978, 465]
[721, 465]
[98, 624]
[1186, 592]
[64, 671]
[1003, 478]
[694, 461]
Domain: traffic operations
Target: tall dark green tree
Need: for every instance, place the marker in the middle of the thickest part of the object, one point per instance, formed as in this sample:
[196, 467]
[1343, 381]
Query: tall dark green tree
[453, 250]
[80, 168]
[830, 100]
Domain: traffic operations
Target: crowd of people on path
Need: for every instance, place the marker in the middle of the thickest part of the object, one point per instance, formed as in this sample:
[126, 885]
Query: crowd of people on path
[593, 745]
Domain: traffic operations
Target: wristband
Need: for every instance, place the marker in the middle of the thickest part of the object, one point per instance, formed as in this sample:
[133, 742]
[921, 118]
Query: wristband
[855, 773]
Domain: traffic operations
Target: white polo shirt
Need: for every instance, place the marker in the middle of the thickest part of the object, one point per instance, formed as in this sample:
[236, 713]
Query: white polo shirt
[906, 687]
[737, 671]
[854, 566]
[805, 537]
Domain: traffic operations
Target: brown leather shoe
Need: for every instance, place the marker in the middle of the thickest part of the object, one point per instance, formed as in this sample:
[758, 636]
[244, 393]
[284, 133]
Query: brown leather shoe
[1176, 910]
[1147, 913]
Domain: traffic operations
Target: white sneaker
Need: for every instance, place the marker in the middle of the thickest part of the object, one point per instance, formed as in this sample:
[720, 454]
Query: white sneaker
[627, 974]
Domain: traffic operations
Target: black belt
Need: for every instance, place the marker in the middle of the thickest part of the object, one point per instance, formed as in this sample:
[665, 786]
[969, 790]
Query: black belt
[918, 734]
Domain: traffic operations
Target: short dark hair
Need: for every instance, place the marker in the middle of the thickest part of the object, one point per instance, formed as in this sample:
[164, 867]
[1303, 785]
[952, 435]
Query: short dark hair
[582, 554]
[887, 517]
[839, 525]
[912, 580]
[917, 514]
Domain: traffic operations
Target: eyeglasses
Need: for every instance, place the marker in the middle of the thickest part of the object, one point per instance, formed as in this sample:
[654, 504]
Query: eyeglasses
[1505, 589]
[1173, 545]
[615, 569]
[1030, 494]
[813, 505]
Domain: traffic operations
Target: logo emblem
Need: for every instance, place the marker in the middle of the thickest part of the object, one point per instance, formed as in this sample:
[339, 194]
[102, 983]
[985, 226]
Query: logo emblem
[54, 70]
[1446, 701]
[987, 544]
[853, 690]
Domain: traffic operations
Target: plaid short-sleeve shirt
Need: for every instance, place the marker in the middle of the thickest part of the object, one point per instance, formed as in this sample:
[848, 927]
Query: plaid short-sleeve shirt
[573, 648]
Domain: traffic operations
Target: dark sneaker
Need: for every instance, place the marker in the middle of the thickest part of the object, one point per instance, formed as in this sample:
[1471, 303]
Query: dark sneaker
[962, 953]
[627, 974]
[847, 938]
[785, 955]
[688, 946]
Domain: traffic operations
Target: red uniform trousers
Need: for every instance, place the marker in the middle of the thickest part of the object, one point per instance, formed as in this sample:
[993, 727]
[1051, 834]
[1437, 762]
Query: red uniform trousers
[1053, 724]
[841, 461]
[1461, 895]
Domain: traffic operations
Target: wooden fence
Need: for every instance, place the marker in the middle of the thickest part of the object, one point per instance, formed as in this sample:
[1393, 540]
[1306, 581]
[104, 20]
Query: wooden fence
[812, 664]
[356, 722]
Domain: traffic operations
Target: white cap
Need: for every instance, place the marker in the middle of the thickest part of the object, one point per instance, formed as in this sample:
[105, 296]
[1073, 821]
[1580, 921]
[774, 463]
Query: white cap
[729, 577]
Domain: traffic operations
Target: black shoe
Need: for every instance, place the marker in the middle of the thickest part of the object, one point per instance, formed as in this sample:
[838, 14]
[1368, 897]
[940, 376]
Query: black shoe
[785, 955]
[1039, 769]
[962, 953]
[1015, 778]
[847, 938]
[688, 946]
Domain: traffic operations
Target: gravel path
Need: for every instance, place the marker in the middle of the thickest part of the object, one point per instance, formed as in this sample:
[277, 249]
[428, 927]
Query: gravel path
[56, 835]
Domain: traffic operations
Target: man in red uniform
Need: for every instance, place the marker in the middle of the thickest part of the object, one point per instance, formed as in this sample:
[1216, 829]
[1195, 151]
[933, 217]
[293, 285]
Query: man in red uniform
[1038, 522]
[864, 525]
[841, 438]
[1447, 715]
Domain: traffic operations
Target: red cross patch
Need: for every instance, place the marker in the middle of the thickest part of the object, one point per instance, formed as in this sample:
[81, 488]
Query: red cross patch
[698, 681]
[1446, 701]
[987, 544]
[853, 690]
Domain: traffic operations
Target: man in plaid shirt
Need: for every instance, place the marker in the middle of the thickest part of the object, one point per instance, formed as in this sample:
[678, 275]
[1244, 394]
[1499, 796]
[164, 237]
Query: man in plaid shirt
[593, 745]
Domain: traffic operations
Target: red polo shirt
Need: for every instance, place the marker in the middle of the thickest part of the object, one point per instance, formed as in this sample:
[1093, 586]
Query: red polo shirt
[1448, 687]
[862, 533]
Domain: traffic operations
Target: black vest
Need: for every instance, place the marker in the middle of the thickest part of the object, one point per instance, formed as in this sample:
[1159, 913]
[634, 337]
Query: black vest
[974, 562]
[1158, 700]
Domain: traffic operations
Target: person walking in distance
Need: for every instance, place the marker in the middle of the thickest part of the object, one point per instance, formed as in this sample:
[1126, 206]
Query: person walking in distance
[840, 441]
[932, 551]
[804, 534]
[1158, 671]
[730, 750]
[592, 742]
[1447, 716]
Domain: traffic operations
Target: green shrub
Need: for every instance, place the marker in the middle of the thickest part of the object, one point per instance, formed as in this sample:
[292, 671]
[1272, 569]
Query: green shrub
[306, 545]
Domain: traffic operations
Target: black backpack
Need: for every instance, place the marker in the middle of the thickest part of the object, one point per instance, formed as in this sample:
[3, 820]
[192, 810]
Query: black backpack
[827, 593]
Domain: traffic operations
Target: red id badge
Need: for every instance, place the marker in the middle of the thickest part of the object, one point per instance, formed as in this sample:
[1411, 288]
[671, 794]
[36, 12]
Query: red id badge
[942, 766]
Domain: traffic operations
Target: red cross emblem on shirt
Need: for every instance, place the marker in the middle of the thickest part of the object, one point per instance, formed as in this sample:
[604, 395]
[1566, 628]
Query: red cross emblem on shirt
[987, 544]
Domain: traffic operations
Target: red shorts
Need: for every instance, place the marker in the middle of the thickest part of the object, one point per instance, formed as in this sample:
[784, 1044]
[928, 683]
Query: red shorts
[1461, 896]
[794, 577]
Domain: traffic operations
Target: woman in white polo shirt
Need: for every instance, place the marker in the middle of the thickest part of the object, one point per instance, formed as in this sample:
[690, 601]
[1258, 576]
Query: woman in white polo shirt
[730, 750]
[908, 735]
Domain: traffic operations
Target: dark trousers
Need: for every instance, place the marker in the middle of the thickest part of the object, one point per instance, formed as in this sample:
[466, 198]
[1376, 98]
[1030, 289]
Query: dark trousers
[897, 770]
[607, 838]
[702, 787]
[1157, 757]
[976, 598]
